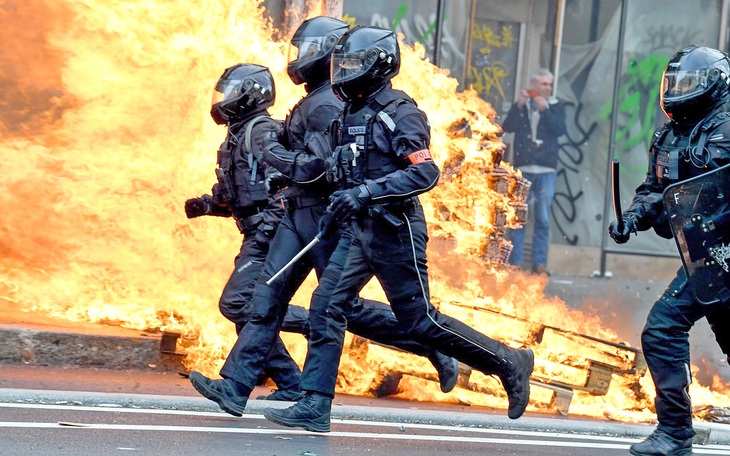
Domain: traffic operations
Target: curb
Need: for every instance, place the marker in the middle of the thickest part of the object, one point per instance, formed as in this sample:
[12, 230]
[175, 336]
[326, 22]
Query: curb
[50, 347]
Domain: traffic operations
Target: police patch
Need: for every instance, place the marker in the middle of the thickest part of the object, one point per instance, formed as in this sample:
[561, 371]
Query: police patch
[662, 159]
[356, 130]
[420, 156]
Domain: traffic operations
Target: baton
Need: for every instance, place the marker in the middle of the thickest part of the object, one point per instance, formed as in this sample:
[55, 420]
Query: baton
[616, 196]
[296, 258]
[329, 225]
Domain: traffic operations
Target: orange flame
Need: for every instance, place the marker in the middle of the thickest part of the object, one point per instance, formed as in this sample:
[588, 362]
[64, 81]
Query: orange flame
[105, 132]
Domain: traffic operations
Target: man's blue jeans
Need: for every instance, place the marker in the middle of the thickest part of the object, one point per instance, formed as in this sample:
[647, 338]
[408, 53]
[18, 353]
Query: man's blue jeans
[539, 201]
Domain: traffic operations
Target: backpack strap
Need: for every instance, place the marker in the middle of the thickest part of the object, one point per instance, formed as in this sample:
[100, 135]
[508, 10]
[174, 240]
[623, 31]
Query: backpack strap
[252, 162]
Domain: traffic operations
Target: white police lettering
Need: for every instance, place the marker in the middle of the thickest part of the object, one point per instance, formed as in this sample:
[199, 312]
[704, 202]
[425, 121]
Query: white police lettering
[356, 130]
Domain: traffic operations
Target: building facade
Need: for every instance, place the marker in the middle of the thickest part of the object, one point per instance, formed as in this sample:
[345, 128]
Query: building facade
[608, 57]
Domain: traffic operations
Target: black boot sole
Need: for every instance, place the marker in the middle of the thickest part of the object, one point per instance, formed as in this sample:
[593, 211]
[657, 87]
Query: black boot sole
[682, 452]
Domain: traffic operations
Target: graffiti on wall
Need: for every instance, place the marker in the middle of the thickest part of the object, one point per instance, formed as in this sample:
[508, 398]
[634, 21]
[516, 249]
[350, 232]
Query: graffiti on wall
[639, 115]
[493, 61]
[638, 99]
[568, 187]
[640, 85]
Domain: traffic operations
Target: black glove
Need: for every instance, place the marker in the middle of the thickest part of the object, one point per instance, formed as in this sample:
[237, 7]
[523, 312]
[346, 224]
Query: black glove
[347, 203]
[274, 182]
[196, 207]
[328, 224]
[622, 237]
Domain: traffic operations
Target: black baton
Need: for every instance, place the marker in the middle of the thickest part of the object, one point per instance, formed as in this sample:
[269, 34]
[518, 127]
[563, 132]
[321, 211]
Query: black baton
[616, 196]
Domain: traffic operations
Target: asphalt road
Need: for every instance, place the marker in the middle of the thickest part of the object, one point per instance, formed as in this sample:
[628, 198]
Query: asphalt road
[48, 429]
[78, 412]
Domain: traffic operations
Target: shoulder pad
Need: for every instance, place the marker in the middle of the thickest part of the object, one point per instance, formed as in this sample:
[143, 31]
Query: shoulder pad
[272, 120]
[389, 102]
[663, 129]
[387, 97]
[716, 121]
[660, 133]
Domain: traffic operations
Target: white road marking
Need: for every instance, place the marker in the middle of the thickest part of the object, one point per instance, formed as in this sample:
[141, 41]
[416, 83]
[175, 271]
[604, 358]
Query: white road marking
[223, 430]
[434, 427]
[619, 443]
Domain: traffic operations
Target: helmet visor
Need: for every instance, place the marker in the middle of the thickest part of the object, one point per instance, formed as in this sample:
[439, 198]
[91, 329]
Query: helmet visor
[306, 49]
[227, 89]
[681, 84]
[348, 66]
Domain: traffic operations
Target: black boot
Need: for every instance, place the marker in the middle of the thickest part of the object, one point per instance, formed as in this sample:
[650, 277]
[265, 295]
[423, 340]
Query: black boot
[229, 394]
[283, 395]
[447, 368]
[311, 413]
[659, 443]
[516, 380]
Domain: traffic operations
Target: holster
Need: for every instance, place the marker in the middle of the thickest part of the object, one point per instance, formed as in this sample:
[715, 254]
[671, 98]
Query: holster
[249, 223]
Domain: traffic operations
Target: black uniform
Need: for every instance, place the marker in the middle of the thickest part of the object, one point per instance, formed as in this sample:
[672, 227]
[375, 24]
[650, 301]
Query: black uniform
[380, 164]
[665, 337]
[306, 202]
[395, 165]
[257, 220]
[257, 216]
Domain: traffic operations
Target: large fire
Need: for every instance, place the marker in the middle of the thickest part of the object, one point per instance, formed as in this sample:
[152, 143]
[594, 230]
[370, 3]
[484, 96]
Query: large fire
[105, 127]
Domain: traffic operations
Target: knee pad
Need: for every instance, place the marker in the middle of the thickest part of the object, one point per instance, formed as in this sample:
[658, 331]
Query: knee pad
[265, 304]
[323, 292]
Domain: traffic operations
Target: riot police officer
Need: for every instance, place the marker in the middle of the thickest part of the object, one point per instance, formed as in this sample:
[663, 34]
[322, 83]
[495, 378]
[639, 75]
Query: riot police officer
[381, 163]
[695, 141]
[240, 101]
[306, 199]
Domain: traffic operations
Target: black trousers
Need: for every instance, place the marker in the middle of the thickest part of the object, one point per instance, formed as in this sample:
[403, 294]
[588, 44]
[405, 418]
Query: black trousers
[269, 303]
[665, 343]
[397, 257]
[235, 305]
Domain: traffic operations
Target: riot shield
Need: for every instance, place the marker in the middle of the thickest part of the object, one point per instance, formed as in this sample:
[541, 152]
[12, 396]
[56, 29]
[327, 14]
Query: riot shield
[699, 214]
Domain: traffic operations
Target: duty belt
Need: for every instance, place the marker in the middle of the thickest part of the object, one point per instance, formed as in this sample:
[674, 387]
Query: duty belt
[400, 206]
[247, 223]
[299, 202]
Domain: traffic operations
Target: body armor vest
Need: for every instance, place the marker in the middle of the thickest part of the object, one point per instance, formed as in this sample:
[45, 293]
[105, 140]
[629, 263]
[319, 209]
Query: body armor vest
[361, 154]
[312, 115]
[240, 176]
[682, 156]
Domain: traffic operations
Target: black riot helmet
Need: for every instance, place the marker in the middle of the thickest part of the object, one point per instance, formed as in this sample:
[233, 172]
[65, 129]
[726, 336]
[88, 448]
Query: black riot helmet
[363, 61]
[311, 48]
[695, 82]
[241, 90]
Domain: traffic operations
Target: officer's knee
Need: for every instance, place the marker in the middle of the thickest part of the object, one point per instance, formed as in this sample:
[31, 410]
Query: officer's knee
[324, 309]
[650, 336]
[265, 304]
[226, 311]
[322, 294]
[413, 315]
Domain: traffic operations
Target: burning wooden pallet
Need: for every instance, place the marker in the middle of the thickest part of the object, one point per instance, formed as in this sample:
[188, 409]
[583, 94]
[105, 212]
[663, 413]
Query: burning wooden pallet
[589, 370]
